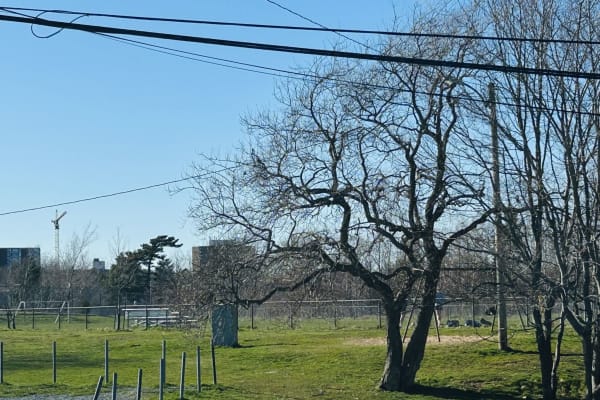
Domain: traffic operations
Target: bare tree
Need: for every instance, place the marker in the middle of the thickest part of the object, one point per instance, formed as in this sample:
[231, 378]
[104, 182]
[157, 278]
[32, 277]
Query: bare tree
[24, 280]
[340, 168]
[550, 167]
[75, 257]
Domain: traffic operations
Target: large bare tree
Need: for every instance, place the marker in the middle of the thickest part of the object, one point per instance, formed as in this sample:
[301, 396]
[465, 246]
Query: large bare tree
[550, 156]
[342, 167]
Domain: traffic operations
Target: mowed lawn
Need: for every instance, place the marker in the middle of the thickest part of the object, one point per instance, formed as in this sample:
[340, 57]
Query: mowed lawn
[314, 360]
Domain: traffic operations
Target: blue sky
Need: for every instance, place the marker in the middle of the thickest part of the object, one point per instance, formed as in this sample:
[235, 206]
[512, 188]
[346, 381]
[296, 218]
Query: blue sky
[83, 116]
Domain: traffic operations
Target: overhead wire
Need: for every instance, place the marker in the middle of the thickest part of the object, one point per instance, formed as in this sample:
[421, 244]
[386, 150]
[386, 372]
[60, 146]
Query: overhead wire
[283, 73]
[303, 50]
[188, 55]
[312, 21]
[320, 27]
[173, 52]
[113, 194]
[288, 74]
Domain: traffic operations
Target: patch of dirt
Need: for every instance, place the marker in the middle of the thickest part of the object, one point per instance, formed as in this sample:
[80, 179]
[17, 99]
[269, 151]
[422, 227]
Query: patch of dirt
[431, 340]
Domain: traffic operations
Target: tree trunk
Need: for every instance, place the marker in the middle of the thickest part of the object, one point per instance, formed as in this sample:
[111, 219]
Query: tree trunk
[415, 350]
[543, 332]
[392, 372]
[588, 362]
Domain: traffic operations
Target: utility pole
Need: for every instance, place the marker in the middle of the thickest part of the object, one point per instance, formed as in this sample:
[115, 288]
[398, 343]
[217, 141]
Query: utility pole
[56, 236]
[498, 242]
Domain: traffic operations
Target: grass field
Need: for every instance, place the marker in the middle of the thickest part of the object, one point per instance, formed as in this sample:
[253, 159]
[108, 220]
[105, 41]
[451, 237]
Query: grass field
[312, 361]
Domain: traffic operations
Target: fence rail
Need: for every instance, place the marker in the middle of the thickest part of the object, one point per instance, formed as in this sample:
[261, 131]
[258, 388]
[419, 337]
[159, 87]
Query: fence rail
[327, 313]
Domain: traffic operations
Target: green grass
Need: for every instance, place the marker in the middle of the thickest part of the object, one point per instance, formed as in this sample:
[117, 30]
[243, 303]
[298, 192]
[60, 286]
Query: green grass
[312, 361]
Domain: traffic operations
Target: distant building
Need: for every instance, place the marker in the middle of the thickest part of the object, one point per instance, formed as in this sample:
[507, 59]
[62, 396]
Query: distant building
[98, 264]
[17, 255]
[219, 251]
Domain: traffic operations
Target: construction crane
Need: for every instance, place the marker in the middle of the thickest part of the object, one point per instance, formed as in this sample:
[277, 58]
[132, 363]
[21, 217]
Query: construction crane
[56, 236]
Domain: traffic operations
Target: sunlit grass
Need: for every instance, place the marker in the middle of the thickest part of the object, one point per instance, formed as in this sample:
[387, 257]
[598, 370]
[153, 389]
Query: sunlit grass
[275, 362]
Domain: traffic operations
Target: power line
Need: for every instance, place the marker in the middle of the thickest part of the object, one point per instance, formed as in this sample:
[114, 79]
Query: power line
[188, 55]
[282, 73]
[312, 21]
[120, 193]
[302, 50]
[321, 28]
[299, 75]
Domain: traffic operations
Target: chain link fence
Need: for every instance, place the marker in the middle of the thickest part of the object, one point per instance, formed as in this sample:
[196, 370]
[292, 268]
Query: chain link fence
[318, 314]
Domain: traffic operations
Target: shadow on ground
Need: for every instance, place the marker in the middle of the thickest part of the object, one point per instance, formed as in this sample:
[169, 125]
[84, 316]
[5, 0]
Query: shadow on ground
[460, 394]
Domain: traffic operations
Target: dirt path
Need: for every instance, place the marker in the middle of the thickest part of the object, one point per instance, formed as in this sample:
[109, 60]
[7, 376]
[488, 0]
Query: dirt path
[431, 340]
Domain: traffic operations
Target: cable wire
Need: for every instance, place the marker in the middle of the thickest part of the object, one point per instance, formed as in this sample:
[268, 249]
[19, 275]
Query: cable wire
[303, 50]
[321, 28]
[282, 73]
[120, 193]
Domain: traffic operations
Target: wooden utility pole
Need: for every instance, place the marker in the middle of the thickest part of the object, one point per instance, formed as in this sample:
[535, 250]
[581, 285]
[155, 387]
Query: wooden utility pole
[498, 243]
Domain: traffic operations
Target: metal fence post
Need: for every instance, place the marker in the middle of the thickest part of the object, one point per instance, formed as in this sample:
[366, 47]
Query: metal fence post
[164, 356]
[138, 393]
[106, 360]
[98, 388]
[161, 379]
[54, 362]
[214, 363]
[1, 362]
[114, 386]
[182, 377]
[147, 320]
[198, 370]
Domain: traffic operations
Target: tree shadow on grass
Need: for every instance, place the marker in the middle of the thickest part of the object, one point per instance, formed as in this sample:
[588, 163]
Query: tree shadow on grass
[250, 346]
[460, 394]
[533, 352]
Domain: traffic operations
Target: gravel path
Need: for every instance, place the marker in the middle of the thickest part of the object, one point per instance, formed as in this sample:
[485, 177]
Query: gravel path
[122, 394]
[52, 397]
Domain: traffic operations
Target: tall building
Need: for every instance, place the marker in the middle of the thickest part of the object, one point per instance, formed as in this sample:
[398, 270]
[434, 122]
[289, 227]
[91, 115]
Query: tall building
[98, 264]
[17, 255]
[221, 251]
